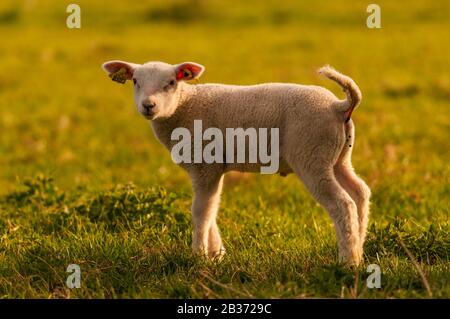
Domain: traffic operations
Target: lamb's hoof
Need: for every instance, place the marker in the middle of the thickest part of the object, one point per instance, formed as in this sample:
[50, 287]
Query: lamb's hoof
[353, 260]
[217, 255]
[200, 251]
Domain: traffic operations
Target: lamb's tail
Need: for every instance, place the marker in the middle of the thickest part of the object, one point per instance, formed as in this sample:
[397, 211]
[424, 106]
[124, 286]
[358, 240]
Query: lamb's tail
[350, 88]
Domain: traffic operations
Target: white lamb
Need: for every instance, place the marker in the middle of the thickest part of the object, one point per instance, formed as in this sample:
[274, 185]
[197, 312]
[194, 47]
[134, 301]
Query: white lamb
[316, 136]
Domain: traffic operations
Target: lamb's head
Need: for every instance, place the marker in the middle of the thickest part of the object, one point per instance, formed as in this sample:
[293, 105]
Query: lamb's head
[157, 85]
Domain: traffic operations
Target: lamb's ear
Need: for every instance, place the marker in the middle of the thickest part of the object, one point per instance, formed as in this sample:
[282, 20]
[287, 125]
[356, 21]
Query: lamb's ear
[119, 71]
[189, 71]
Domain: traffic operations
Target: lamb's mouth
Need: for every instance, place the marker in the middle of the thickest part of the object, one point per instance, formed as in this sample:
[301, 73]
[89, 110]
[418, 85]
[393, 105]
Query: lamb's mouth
[148, 115]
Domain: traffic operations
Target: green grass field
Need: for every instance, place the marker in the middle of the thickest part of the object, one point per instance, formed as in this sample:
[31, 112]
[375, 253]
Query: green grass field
[84, 181]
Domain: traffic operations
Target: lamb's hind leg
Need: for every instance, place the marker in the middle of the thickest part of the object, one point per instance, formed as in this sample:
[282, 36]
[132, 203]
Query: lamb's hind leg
[342, 209]
[355, 186]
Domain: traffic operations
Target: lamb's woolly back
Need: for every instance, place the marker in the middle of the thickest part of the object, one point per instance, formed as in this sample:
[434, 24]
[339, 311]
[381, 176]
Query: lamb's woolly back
[348, 85]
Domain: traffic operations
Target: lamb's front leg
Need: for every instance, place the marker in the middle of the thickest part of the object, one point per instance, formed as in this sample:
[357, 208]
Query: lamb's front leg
[216, 250]
[206, 238]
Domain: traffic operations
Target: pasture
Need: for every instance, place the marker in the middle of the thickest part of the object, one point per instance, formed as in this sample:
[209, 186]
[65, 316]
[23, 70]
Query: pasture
[84, 181]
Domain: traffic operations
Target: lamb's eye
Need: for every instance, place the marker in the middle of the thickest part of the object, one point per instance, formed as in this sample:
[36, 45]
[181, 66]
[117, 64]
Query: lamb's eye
[134, 81]
[169, 85]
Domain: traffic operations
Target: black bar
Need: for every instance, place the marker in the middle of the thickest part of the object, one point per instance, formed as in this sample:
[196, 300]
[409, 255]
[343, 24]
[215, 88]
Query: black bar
[221, 308]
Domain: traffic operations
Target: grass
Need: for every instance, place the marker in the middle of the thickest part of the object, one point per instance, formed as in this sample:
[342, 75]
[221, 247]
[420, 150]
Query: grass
[84, 181]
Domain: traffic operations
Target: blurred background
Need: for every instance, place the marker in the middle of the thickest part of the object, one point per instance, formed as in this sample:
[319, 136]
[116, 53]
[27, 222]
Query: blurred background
[60, 114]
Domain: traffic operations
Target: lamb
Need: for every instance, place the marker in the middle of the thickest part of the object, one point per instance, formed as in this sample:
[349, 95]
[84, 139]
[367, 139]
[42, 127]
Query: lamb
[316, 136]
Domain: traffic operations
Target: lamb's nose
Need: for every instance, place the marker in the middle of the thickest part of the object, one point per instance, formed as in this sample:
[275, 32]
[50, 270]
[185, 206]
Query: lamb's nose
[148, 105]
